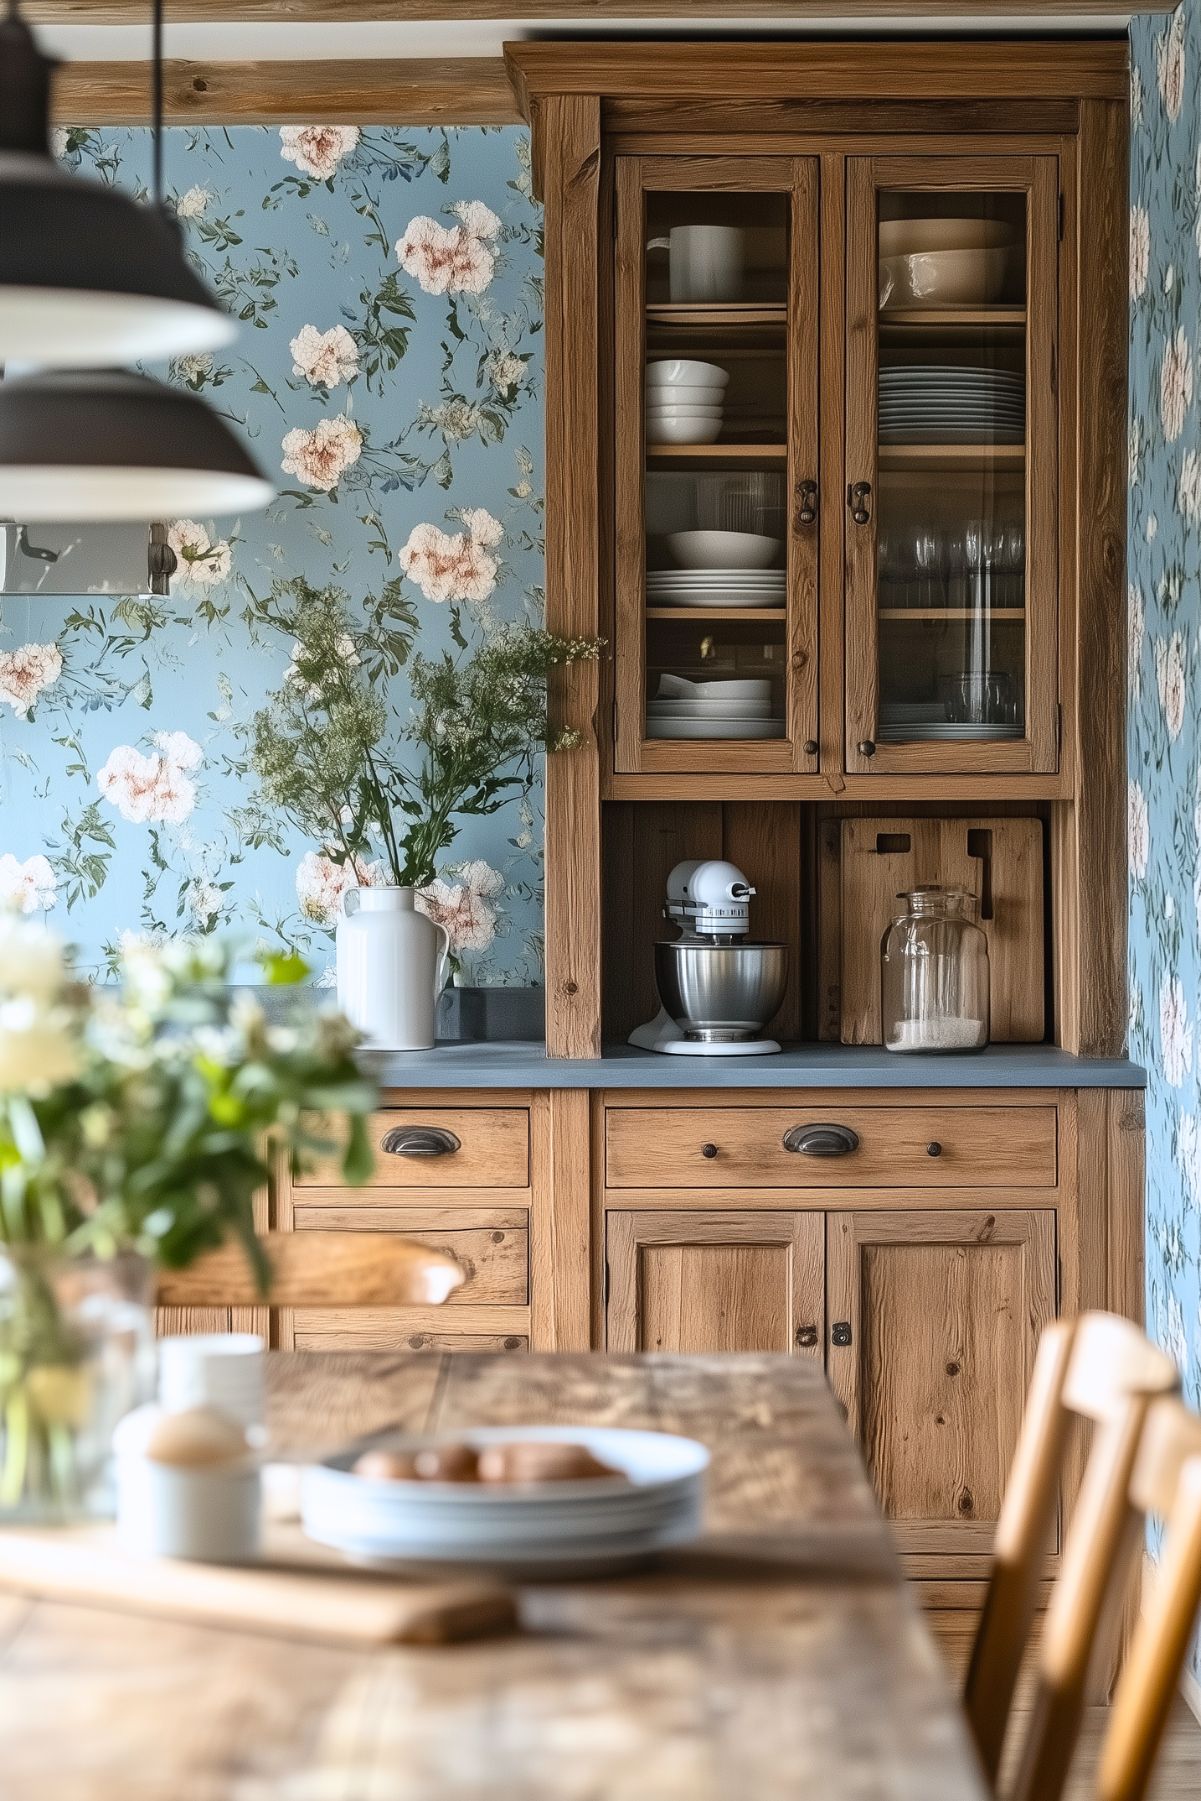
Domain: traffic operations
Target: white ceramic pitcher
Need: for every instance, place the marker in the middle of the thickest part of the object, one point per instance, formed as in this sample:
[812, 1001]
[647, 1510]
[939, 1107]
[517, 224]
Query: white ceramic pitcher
[391, 968]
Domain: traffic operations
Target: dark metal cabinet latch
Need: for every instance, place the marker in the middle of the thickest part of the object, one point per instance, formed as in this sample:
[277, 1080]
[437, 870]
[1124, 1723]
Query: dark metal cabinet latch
[840, 1333]
[806, 1337]
[420, 1141]
[821, 1141]
[859, 495]
[807, 503]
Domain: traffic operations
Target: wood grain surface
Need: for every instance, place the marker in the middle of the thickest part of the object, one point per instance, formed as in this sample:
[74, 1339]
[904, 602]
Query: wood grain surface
[590, 12]
[782, 1657]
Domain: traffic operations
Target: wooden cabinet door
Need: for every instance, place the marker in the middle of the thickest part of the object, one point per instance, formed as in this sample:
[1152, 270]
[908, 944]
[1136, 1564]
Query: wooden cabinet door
[934, 1320]
[952, 555]
[701, 1282]
[716, 464]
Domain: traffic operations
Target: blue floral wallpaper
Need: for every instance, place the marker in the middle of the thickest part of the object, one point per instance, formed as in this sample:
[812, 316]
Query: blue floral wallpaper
[1165, 661]
[388, 372]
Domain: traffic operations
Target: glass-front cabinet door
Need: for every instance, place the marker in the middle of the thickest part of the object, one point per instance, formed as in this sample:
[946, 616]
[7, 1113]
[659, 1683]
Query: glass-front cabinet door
[952, 464]
[715, 464]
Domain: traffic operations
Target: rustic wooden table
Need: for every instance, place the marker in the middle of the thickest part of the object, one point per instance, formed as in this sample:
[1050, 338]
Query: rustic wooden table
[784, 1658]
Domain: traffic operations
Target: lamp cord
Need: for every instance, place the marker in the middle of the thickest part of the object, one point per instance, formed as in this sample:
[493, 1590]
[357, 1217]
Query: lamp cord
[157, 93]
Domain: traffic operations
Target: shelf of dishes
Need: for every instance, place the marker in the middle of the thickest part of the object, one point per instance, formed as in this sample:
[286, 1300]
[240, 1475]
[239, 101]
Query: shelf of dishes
[960, 570]
[689, 402]
[724, 707]
[715, 544]
[930, 261]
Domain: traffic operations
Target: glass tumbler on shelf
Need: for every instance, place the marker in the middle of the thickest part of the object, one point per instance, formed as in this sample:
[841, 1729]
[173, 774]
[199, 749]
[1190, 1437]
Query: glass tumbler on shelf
[934, 974]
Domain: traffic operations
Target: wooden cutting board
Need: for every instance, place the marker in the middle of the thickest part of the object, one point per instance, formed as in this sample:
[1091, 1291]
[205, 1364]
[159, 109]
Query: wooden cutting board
[863, 865]
[299, 1590]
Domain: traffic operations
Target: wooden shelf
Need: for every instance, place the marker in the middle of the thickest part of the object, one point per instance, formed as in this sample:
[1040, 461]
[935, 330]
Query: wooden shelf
[958, 317]
[733, 453]
[716, 315]
[952, 612]
[731, 614]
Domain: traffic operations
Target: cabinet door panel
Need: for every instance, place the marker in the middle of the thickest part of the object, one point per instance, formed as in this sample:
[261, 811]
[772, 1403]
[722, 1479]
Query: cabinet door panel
[952, 464]
[712, 1282]
[934, 1323]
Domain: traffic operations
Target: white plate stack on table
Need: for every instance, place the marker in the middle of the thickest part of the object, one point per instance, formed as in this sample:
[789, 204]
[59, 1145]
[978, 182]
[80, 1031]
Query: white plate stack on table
[651, 1497]
[923, 403]
[944, 262]
[719, 569]
[712, 709]
[684, 401]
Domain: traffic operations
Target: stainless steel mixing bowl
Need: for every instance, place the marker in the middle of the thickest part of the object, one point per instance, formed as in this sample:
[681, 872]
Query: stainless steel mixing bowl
[721, 993]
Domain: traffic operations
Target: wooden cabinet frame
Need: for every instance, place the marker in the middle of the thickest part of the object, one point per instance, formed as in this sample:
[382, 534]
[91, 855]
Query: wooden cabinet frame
[931, 109]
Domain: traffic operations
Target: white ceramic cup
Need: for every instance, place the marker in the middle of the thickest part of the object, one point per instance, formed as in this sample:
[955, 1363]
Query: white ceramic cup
[208, 1515]
[214, 1369]
[704, 262]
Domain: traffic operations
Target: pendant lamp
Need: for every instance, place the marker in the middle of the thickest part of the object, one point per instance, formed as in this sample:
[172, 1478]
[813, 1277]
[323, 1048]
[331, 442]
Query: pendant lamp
[87, 274]
[101, 444]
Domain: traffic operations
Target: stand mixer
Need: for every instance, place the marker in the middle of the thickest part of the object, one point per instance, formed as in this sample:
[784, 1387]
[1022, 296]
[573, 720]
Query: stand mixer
[716, 991]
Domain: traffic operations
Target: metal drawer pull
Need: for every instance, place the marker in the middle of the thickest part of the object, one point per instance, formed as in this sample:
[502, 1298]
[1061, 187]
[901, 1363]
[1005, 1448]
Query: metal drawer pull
[841, 1333]
[821, 1141]
[708, 1150]
[934, 1149]
[420, 1141]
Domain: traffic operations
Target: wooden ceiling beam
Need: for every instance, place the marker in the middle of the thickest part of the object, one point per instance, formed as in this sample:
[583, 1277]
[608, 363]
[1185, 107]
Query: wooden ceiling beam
[434, 91]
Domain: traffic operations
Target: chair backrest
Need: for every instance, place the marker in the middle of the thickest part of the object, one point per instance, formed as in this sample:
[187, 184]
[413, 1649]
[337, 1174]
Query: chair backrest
[1103, 1370]
[1166, 1483]
[318, 1269]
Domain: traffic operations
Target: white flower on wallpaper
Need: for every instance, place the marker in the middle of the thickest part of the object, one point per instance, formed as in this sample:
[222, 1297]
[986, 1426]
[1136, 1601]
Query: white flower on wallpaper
[203, 562]
[1170, 681]
[1188, 489]
[317, 149]
[204, 900]
[454, 565]
[322, 456]
[326, 359]
[193, 368]
[1170, 65]
[28, 887]
[1171, 1333]
[154, 787]
[1136, 631]
[506, 372]
[344, 649]
[455, 259]
[1175, 1032]
[1188, 1155]
[1140, 251]
[1175, 385]
[464, 905]
[1138, 829]
[27, 672]
[194, 204]
[321, 884]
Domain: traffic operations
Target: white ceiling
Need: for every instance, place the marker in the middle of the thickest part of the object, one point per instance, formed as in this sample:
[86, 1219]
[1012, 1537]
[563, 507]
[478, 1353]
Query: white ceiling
[484, 37]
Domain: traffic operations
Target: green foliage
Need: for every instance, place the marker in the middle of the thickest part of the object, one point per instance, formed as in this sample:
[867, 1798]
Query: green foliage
[333, 756]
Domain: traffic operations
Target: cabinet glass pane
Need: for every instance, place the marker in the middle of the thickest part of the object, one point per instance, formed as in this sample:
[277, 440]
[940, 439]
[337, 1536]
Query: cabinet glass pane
[715, 430]
[951, 511]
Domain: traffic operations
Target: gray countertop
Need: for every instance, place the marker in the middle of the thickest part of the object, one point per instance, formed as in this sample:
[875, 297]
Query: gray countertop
[526, 1065]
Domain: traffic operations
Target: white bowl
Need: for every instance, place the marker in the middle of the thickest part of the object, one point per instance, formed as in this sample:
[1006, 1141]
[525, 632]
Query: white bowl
[910, 237]
[723, 550]
[683, 412]
[679, 372]
[667, 397]
[694, 429]
[748, 688]
[707, 709]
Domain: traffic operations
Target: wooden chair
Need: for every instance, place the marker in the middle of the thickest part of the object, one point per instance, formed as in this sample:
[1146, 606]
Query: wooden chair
[1167, 1483]
[318, 1269]
[1099, 1369]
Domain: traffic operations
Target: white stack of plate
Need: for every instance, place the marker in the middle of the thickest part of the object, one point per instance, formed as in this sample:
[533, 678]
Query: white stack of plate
[733, 588]
[926, 403]
[715, 709]
[656, 1501]
[684, 401]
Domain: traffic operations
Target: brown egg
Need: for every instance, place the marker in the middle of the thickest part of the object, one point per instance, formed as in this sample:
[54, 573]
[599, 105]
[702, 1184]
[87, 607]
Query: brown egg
[448, 1463]
[194, 1438]
[386, 1466]
[538, 1462]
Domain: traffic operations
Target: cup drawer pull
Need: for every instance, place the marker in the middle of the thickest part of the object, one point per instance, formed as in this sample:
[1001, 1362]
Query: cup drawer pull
[420, 1141]
[821, 1141]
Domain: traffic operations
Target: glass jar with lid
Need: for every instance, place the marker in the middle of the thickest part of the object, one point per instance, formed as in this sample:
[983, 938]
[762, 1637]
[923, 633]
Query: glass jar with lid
[934, 974]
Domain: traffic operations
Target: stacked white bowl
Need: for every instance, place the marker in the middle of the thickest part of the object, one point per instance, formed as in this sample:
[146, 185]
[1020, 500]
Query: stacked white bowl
[684, 401]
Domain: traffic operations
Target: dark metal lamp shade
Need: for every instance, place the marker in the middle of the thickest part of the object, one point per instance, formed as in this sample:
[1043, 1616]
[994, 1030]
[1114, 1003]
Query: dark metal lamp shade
[89, 275]
[103, 444]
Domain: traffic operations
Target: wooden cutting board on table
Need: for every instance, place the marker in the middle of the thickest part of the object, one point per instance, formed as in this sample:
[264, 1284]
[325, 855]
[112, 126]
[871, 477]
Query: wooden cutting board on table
[864, 863]
[298, 1591]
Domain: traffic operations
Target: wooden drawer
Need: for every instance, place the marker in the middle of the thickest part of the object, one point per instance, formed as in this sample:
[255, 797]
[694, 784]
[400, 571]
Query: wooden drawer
[368, 1329]
[442, 1147]
[923, 1146]
[493, 1247]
